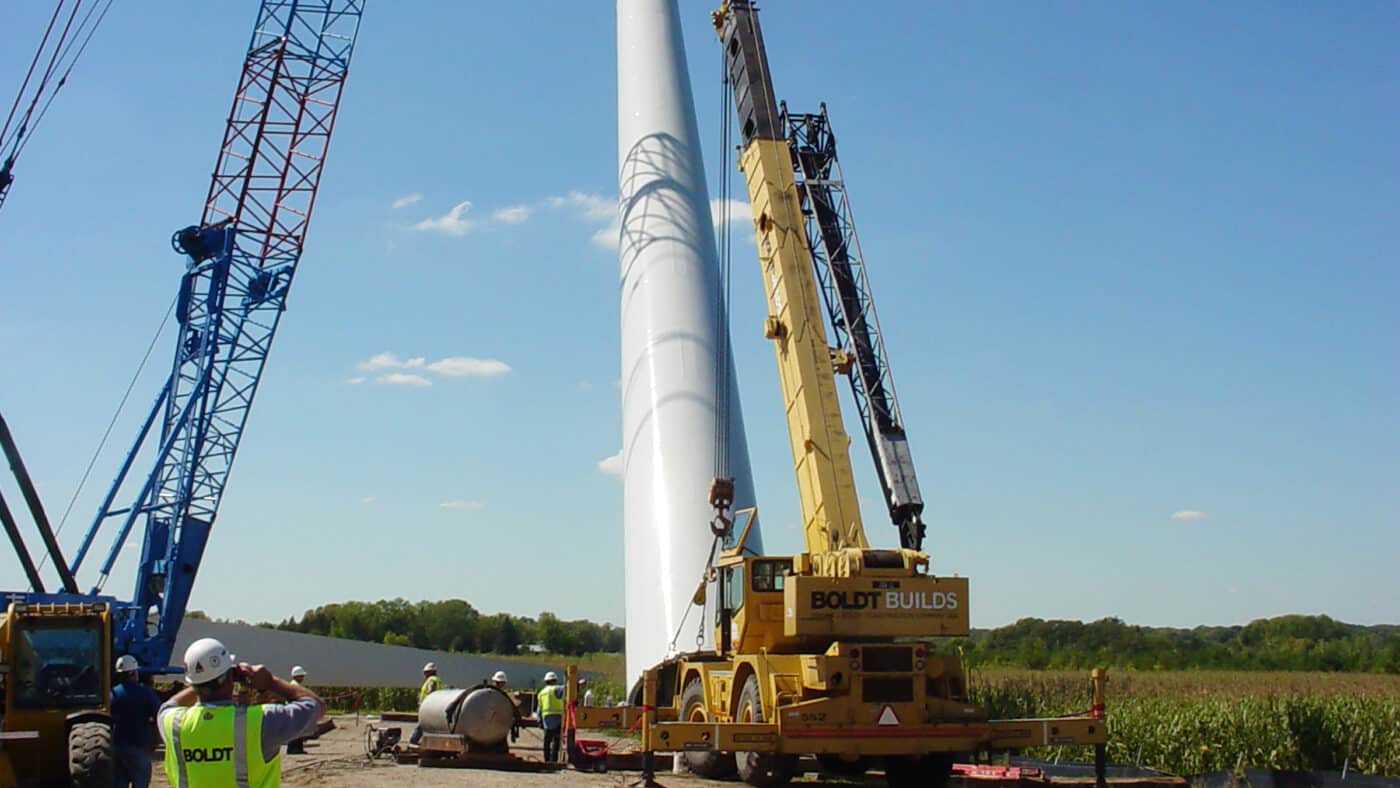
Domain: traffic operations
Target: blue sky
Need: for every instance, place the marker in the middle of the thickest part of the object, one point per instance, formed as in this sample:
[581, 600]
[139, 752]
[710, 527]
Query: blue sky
[1136, 264]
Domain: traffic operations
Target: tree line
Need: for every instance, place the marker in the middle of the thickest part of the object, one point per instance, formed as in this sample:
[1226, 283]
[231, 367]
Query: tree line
[1291, 642]
[454, 625]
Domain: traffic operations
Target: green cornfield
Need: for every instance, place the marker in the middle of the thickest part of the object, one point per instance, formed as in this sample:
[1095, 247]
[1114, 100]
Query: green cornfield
[1183, 722]
[1192, 722]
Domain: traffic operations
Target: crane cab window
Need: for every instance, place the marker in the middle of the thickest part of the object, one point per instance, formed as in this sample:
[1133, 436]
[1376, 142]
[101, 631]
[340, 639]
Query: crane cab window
[733, 588]
[59, 663]
[768, 575]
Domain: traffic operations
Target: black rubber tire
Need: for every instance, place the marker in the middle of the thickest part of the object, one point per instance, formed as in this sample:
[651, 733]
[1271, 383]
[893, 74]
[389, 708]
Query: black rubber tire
[712, 765]
[90, 755]
[837, 766]
[930, 771]
[760, 769]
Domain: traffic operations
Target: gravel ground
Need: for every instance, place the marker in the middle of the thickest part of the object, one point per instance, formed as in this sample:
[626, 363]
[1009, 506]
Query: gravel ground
[338, 759]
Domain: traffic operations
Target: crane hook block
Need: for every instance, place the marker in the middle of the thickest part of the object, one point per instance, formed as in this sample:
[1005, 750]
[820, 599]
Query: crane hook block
[721, 493]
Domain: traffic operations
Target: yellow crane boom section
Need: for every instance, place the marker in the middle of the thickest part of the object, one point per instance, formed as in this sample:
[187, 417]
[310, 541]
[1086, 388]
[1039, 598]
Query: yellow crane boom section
[820, 447]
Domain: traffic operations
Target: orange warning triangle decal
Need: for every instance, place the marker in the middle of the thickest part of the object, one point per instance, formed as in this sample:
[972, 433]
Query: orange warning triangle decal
[887, 716]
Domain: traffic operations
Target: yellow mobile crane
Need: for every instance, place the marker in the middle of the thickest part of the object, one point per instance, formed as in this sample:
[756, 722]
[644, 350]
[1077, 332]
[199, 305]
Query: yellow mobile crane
[825, 652]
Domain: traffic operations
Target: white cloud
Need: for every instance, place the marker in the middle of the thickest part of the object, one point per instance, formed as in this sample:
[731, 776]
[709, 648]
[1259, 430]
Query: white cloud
[739, 211]
[367, 500]
[454, 222]
[449, 366]
[1188, 515]
[407, 200]
[612, 466]
[461, 366]
[357, 380]
[459, 504]
[389, 361]
[585, 385]
[402, 379]
[593, 206]
[511, 214]
[607, 238]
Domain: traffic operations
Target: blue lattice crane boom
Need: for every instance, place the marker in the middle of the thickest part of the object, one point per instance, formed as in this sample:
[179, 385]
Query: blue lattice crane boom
[240, 261]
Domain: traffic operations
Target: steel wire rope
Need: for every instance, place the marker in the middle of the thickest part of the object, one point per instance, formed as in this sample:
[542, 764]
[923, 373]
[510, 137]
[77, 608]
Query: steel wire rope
[48, 69]
[5, 130]
[67, 71]
[101, 444]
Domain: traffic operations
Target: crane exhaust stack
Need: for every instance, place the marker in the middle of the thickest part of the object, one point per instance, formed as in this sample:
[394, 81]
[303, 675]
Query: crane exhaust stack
[681, 421]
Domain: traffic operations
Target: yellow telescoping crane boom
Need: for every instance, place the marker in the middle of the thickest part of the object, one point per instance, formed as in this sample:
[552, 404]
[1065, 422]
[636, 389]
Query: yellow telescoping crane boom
[825, 652]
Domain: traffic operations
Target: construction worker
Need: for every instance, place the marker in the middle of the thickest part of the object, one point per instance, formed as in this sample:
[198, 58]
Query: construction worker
[549, 706]
[431, 684]
[297, 746]
[134, 707]
[210, 741]
[498, 680]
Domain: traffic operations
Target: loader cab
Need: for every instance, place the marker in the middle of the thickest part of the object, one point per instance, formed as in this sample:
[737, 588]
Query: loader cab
[55, 674]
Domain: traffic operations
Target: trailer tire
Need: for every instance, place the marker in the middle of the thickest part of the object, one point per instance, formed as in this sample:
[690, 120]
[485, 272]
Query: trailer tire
[929, 771]
[760, 769]
[712, 765]
[90, 755]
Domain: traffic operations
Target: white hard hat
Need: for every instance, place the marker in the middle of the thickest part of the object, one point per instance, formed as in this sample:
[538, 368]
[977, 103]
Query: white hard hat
[550, 676]
[298, 672]
[126, 663]
[206, 660]
[500, 676]
[430, 666]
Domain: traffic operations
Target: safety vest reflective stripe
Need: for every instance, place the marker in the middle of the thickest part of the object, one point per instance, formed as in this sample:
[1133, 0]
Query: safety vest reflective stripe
[240, 746]
[176, 717]
[550, 702]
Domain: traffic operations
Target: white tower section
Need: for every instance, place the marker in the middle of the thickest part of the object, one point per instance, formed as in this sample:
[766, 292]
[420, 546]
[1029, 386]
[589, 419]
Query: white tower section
[674, 379]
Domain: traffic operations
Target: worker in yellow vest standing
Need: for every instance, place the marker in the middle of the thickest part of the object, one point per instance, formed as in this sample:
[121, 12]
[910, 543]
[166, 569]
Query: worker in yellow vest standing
[549, 707]
[431, 684]
[211, 741]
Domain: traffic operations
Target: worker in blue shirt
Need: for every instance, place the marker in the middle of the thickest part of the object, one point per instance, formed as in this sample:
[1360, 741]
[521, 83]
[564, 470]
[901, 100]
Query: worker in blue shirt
[134, 707]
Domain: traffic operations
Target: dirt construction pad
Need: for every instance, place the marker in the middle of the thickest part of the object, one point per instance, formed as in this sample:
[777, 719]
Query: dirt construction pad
[338, 759]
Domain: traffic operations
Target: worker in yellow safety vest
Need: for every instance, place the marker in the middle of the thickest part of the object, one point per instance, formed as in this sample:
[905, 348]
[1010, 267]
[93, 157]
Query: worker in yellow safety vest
[431, 684]
[549, 707]
[212, 741]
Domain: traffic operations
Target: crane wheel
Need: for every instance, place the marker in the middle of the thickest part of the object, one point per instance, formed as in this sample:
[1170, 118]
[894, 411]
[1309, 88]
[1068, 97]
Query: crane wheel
[760, 769]
[90, 755]
[712, 765]
[929, 771]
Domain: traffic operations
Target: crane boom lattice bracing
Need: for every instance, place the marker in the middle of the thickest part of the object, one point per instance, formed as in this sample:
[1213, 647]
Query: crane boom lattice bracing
[241, 259]
[850, 306]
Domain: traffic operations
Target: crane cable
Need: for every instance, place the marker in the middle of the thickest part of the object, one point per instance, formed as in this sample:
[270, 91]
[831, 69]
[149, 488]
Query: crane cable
[12, 144]
[721, 338]
[101, 444]
[722, 220]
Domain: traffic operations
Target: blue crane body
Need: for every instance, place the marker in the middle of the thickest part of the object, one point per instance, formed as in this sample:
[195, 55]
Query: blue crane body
[240, 260]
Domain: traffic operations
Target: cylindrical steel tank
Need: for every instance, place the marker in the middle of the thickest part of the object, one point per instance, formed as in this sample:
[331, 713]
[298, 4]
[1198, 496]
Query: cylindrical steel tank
[484, 715]
[679, 391]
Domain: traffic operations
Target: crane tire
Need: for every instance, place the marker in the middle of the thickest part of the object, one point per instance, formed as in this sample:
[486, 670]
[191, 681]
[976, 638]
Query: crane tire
[760, 769]
[90, 755]
[712, 765]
